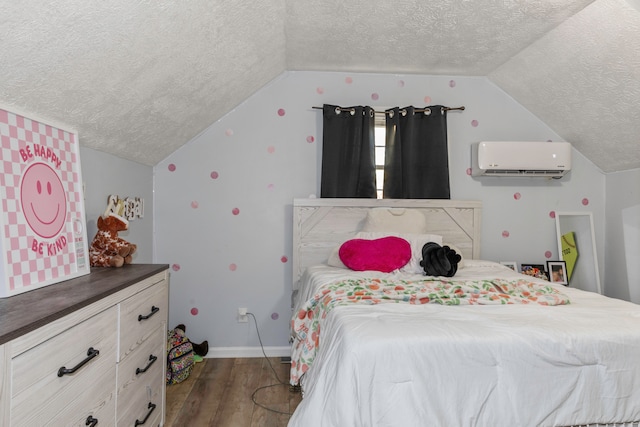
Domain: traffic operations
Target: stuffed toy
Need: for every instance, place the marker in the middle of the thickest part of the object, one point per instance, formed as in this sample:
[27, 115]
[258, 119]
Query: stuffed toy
[107, 249]
[439, 260]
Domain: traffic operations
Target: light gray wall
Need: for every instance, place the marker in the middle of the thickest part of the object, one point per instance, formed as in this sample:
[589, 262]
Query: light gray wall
[622, 245]
[104, 175]
[223, 216]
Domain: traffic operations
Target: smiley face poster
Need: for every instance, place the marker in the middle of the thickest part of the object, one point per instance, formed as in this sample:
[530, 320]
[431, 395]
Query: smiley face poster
[42, 223]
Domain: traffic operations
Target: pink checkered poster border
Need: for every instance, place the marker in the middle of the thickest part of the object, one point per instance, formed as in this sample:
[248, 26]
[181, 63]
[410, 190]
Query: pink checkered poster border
[29, 259]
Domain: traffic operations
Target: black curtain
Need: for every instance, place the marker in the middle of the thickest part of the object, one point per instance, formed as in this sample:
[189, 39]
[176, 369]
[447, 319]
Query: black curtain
[348, 156]
[416, 154]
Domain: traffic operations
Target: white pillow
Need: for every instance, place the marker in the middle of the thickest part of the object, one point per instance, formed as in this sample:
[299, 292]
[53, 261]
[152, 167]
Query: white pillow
[396, 220]
[334, 258]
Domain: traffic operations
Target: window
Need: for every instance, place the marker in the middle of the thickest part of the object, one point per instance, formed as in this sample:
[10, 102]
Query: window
[380, 135]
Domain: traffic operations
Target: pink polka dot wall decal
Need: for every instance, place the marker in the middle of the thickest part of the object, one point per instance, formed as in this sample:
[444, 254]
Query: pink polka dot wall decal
[474, 123]
[270, 187]
[547, 254]
[281, 112]
[585, 201]
[214, 175]
[275, 316]
[175, 267]
[195, 204]
[505, 234]
[552, 214]
[400, 83]
[228, 132]
[171, 167]
[427, 100]
[284, 259]
[310, 139]
[319, 90]
[233, 267]
[348, 80]
[271, 149]
[375, 96]
[517, 196]
[452, 83]
[235, 211]
[469, 171]
[194, 311]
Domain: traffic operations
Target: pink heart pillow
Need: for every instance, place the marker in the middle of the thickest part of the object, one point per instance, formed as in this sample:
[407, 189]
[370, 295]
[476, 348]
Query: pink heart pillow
[385, 254]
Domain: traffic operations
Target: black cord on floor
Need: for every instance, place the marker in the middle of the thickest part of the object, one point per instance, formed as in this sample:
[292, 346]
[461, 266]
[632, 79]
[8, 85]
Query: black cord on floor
[280, 382]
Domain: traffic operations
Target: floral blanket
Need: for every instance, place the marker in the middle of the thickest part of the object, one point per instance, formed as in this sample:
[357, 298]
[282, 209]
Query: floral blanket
[307, 322]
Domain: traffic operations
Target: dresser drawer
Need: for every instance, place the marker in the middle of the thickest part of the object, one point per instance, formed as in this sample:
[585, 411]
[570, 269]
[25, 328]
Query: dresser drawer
[141, 315]
[44, 395]
[141, 380]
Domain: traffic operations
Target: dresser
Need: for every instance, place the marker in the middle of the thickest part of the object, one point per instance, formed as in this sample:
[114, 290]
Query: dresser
[90, 351]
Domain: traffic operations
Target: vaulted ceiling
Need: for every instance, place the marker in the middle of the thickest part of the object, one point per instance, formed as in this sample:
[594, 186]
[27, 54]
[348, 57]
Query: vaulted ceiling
[140, 78]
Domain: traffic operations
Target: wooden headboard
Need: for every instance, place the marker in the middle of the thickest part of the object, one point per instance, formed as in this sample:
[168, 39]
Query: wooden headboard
[319, 225]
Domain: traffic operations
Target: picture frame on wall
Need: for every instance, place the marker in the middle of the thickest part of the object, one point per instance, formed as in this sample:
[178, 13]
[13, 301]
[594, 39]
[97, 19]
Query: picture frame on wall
[511, 264]
[534, 270]
[43, 236]
[558, 272]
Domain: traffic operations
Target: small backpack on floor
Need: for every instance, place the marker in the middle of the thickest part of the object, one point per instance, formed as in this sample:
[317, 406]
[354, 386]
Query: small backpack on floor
[180, 358]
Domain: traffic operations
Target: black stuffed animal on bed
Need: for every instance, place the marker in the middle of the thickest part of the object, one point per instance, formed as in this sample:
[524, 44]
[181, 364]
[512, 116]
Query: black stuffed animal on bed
[439, 260]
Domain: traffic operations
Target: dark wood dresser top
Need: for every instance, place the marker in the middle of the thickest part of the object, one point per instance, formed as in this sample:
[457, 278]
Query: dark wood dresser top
[23, 313]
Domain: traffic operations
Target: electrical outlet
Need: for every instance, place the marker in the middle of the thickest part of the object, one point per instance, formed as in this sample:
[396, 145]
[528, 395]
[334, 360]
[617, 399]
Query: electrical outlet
[242, 315]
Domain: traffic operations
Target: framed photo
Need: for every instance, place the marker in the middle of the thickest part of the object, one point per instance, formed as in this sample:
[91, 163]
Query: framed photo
[511, 264]
[43, 235]
[558, 272]
[535, 270]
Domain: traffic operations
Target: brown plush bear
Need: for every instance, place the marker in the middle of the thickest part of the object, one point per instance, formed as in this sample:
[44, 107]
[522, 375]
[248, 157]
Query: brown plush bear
[107, 249]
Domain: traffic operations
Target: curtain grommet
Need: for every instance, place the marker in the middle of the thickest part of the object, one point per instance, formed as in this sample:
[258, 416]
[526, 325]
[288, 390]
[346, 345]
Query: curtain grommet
[427, 111]
[352, 111]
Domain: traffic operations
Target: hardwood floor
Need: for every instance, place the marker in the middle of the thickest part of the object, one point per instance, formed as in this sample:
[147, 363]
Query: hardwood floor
[218, 393]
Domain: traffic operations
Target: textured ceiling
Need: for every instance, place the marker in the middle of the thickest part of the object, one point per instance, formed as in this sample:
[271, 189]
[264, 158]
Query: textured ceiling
[137, 79]
[458, 37]
[140, 78]
[583, 80]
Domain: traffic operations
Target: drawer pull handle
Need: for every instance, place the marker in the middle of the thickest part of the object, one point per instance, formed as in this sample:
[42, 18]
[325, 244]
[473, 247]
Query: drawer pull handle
[152, 359]
[154, 310]
[91, 353]
[91, 422]
[151, 408]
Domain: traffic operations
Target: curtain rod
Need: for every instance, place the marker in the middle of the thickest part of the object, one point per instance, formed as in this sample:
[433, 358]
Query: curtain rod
[417, 110]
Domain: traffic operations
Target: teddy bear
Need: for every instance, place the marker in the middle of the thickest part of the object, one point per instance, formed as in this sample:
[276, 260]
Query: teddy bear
[107, 249]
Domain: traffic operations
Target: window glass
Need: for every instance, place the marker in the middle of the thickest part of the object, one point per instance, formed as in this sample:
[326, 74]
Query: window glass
[380, 135]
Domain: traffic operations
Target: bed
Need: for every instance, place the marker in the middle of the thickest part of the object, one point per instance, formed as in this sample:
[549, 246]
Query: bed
[540, 354]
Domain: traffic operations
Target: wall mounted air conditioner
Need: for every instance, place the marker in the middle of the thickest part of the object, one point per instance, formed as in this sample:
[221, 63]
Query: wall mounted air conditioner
[520, 158]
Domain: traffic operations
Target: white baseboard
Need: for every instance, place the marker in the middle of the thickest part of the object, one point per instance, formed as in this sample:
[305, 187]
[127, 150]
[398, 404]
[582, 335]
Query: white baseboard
[231, 352]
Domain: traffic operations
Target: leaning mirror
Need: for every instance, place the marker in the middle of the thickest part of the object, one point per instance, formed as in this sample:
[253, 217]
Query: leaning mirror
[577, 247]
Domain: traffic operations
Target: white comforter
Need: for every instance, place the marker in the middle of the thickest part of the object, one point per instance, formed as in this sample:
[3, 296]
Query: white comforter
[434, 365]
